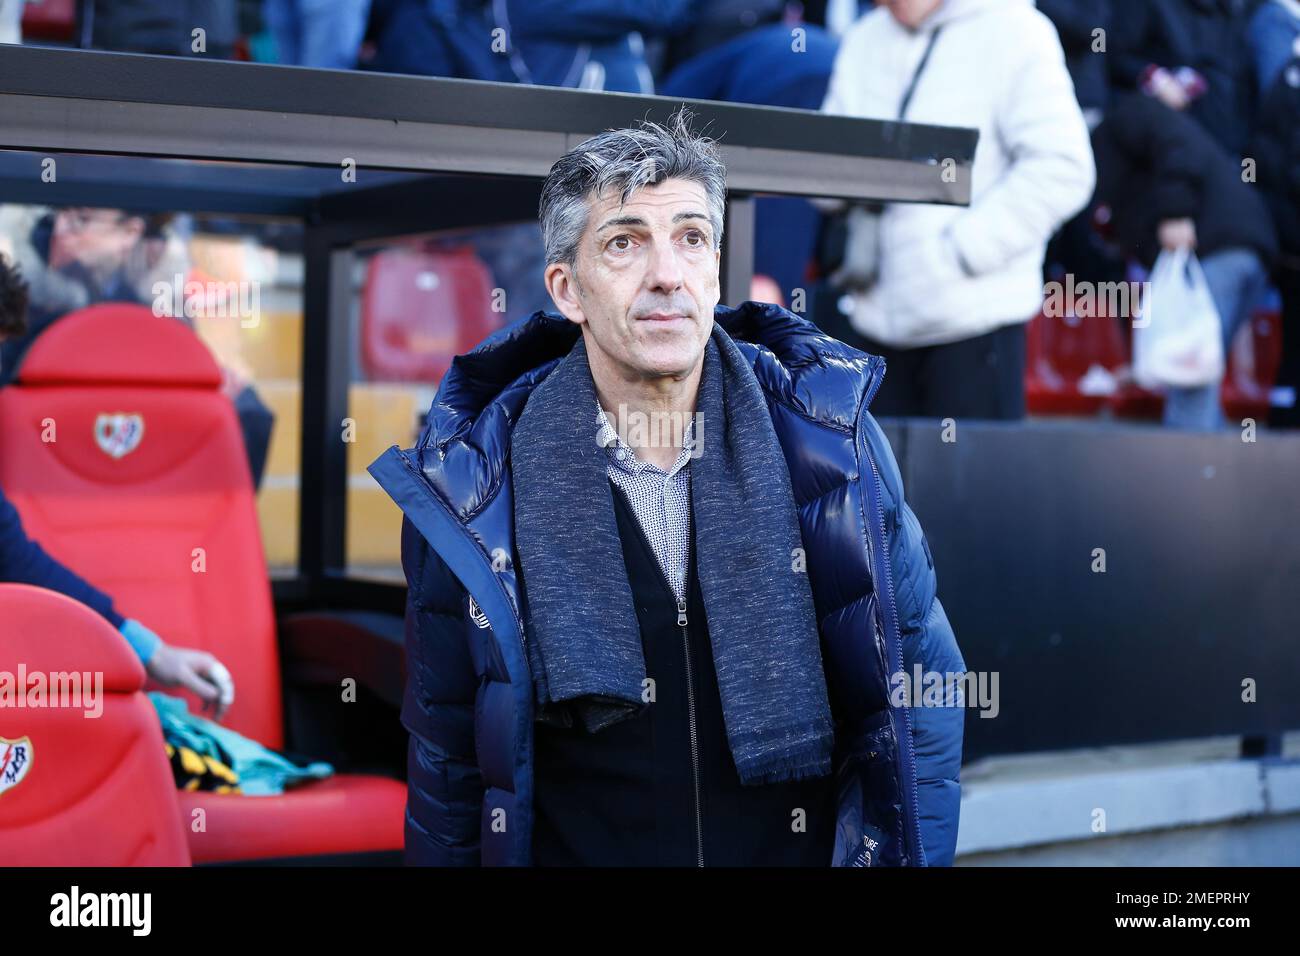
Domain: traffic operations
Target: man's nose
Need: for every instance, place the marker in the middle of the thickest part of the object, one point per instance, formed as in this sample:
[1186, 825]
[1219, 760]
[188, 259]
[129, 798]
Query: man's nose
[665, 271]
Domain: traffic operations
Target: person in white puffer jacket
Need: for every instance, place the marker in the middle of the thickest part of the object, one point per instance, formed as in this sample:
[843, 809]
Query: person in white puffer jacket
[947, 289]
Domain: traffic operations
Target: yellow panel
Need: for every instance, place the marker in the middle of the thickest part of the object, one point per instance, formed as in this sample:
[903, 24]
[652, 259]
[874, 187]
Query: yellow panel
[385, 415]
[277, 513]
[285, 401]
[374, 529]
[272, 349]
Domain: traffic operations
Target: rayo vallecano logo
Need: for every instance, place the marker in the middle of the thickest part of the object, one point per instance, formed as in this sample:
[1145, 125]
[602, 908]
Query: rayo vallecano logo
[15, 761]
[118, 434]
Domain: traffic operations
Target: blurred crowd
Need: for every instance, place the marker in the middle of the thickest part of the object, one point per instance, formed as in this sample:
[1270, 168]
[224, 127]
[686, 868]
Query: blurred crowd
[1110, 130]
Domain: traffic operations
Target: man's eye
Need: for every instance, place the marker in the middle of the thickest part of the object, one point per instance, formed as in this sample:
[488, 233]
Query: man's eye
[615, 243]
[695, 238]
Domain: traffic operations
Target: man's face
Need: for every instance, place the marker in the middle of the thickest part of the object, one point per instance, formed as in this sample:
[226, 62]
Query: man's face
[644, 282]
[910, 13]
[99, 239]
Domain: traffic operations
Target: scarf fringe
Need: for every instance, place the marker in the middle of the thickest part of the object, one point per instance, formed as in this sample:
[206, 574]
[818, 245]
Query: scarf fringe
[808, 754]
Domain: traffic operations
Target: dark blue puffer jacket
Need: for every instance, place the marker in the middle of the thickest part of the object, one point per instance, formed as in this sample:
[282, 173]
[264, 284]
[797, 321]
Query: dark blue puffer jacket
[469, 698]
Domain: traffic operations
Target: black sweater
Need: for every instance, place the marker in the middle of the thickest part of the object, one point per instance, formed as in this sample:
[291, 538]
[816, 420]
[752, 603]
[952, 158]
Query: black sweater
[661, 788]
[1154, 163]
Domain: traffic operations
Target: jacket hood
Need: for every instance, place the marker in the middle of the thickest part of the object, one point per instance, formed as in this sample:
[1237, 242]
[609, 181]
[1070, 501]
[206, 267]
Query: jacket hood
[464, 445]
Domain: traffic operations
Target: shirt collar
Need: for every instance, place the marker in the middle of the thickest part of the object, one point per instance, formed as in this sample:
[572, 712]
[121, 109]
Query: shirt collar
[624, 457]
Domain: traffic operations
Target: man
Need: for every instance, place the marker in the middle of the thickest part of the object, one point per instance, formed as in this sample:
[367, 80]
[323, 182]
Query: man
[632, 649]
[24, 561]
[1276, 148]
[78, 256]
[1164, 183]
[1194, 56]
[943, 293]
[583, 44]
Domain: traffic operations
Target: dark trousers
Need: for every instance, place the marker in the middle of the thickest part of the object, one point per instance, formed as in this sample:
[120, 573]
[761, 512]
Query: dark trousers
[1288, 375]
[980, 377]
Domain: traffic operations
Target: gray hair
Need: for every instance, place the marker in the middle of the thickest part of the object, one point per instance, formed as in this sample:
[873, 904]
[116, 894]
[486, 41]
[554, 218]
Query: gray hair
[626, 160]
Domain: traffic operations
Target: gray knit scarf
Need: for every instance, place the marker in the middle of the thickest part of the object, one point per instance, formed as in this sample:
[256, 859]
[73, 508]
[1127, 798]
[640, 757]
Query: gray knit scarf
[581, 631]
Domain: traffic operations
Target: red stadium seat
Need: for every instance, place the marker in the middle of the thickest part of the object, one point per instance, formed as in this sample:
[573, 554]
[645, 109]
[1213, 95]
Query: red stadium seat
[50, 20]
[78, 789]
[127, 464]
[1251, 376]
[1059, 351]
[420, 308]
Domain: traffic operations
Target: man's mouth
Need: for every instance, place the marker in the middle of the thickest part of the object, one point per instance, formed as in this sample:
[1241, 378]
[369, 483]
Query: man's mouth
[663, 317]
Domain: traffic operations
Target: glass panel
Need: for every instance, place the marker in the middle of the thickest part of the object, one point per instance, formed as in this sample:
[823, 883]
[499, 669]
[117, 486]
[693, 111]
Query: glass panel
[418, 302]
[236, 281]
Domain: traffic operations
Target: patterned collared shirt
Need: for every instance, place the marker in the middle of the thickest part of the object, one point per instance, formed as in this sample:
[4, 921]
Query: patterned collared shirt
[661, 499]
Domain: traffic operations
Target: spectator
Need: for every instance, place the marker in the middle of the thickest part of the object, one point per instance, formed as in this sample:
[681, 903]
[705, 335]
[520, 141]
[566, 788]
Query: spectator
[1167, 184]
[715, 24]
[165, 27]
[587, 44]
[836, 16]
[320, 33]
[24, 561]
[1273, 33]
[1190, 55]
[1276, 150]
[1077, 23]
[11, 21]
[72, 258]
[943, 292]
[771, 65]
[444, 38]
[1083, 26]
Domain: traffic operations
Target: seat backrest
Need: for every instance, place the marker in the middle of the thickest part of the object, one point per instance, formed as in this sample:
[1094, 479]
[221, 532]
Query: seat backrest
[1262, 341]
[50, 20]
[1071, 343]
[420, 308]
[127, 464]
[84, 779]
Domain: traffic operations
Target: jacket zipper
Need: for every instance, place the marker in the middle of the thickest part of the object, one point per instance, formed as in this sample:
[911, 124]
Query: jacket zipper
[690, 679]
[695, 746]
[887, 573]
[422, 482]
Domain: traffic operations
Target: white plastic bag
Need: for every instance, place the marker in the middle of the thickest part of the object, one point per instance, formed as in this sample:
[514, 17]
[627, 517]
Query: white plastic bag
[1178, 335]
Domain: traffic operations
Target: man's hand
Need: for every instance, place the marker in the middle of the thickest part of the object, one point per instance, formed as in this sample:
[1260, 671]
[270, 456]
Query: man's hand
[197, 671]
[1177, 234]
[1165, 87]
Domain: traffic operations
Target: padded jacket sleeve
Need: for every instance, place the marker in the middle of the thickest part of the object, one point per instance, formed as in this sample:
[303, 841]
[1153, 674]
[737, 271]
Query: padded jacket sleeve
[444, 786]
[1050, 173]
[928, 639]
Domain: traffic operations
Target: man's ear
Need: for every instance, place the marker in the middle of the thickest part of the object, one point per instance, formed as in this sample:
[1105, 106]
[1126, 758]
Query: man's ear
[562, 285]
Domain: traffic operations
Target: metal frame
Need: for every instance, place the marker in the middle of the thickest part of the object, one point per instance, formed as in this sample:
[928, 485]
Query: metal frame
[93, 101]
[431, 154]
